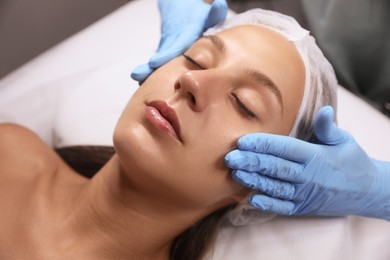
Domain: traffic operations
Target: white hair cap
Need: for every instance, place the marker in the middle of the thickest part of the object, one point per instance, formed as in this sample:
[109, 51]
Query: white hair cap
[320, 83]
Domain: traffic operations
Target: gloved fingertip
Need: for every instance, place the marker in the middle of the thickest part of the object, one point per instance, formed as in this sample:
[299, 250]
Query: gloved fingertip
[245, 178]
[240, 176]
[242, 142]
[257, 202]
[327, 109]
[271, 204]
[158, 59]
[141, 72]
[228, 157]
[249, 142]
[137, 77]
[325, 115]
[325, 129]
[234, 158]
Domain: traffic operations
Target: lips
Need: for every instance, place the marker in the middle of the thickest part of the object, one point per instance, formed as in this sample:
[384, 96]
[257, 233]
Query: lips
[163, 117]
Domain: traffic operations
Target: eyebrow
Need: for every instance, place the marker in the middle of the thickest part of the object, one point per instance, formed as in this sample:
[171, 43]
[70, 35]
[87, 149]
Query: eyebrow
[218, 43]
[259, 77]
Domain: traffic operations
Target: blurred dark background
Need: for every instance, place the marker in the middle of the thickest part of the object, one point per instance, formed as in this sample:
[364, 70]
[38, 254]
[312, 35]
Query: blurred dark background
[28, 28]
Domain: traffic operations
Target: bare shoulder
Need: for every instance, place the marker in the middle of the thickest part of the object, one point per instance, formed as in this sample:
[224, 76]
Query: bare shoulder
[23, 152]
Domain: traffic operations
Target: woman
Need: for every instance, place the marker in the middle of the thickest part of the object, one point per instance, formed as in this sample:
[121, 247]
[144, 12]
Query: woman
[168, 171]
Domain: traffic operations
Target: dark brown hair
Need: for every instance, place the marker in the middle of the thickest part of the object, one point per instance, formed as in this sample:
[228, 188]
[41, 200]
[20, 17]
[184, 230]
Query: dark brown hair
[192, 244]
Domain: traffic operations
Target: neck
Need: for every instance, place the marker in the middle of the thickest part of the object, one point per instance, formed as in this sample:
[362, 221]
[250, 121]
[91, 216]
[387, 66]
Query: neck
[116, 221]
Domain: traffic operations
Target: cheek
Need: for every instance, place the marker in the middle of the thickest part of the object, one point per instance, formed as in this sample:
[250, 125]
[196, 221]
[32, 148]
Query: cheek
[206, 182]
[193, 175]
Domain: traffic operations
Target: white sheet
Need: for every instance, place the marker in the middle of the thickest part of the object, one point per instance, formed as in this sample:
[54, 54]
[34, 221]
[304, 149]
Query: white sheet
[300, 238]
[98, 58]
[74, 93]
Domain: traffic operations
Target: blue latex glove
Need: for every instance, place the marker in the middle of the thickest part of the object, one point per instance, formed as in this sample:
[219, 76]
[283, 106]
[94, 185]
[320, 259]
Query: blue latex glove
[294, 177]
[183, 22]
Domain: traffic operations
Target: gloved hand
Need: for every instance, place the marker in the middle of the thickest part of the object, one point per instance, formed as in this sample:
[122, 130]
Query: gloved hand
[335, 178]
[183, 22]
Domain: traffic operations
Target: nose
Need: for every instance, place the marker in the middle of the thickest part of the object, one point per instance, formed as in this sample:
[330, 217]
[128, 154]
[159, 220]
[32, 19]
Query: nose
[199, 88]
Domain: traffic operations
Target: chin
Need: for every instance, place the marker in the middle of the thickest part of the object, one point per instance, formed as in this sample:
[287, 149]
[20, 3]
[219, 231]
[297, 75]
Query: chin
[140, 150]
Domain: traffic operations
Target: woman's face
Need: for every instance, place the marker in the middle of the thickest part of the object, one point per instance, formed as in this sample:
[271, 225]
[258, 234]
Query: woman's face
[244, 80]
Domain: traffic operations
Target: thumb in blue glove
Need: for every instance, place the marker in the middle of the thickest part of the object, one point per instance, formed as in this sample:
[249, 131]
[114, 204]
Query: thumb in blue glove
[183, 22]
[294, 177]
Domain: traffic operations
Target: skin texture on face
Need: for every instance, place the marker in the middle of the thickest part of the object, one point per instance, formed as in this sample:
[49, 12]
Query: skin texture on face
[249, 79]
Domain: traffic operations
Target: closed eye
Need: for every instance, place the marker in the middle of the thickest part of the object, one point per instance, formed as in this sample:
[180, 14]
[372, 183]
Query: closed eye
[240, 104]
[243, 108]
[193, 62]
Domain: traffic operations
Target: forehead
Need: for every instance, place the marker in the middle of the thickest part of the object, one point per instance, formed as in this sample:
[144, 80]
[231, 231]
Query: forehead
[271, 54]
